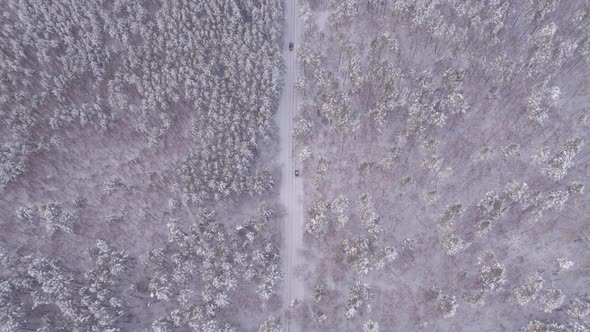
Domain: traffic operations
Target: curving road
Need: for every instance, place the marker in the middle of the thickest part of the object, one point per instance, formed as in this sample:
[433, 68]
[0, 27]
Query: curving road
[291, 187]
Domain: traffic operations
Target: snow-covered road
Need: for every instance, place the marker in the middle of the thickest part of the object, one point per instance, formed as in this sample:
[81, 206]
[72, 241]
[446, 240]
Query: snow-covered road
[291, 191]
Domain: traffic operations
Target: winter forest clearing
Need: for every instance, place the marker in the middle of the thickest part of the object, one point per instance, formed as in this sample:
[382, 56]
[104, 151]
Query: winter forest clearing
[149, 151]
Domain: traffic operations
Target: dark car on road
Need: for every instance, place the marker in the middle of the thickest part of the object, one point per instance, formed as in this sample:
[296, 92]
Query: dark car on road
[291, 46]
[296, 172]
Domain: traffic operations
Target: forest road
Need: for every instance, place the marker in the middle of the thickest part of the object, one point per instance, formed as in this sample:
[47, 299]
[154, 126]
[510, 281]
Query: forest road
[291, 190]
